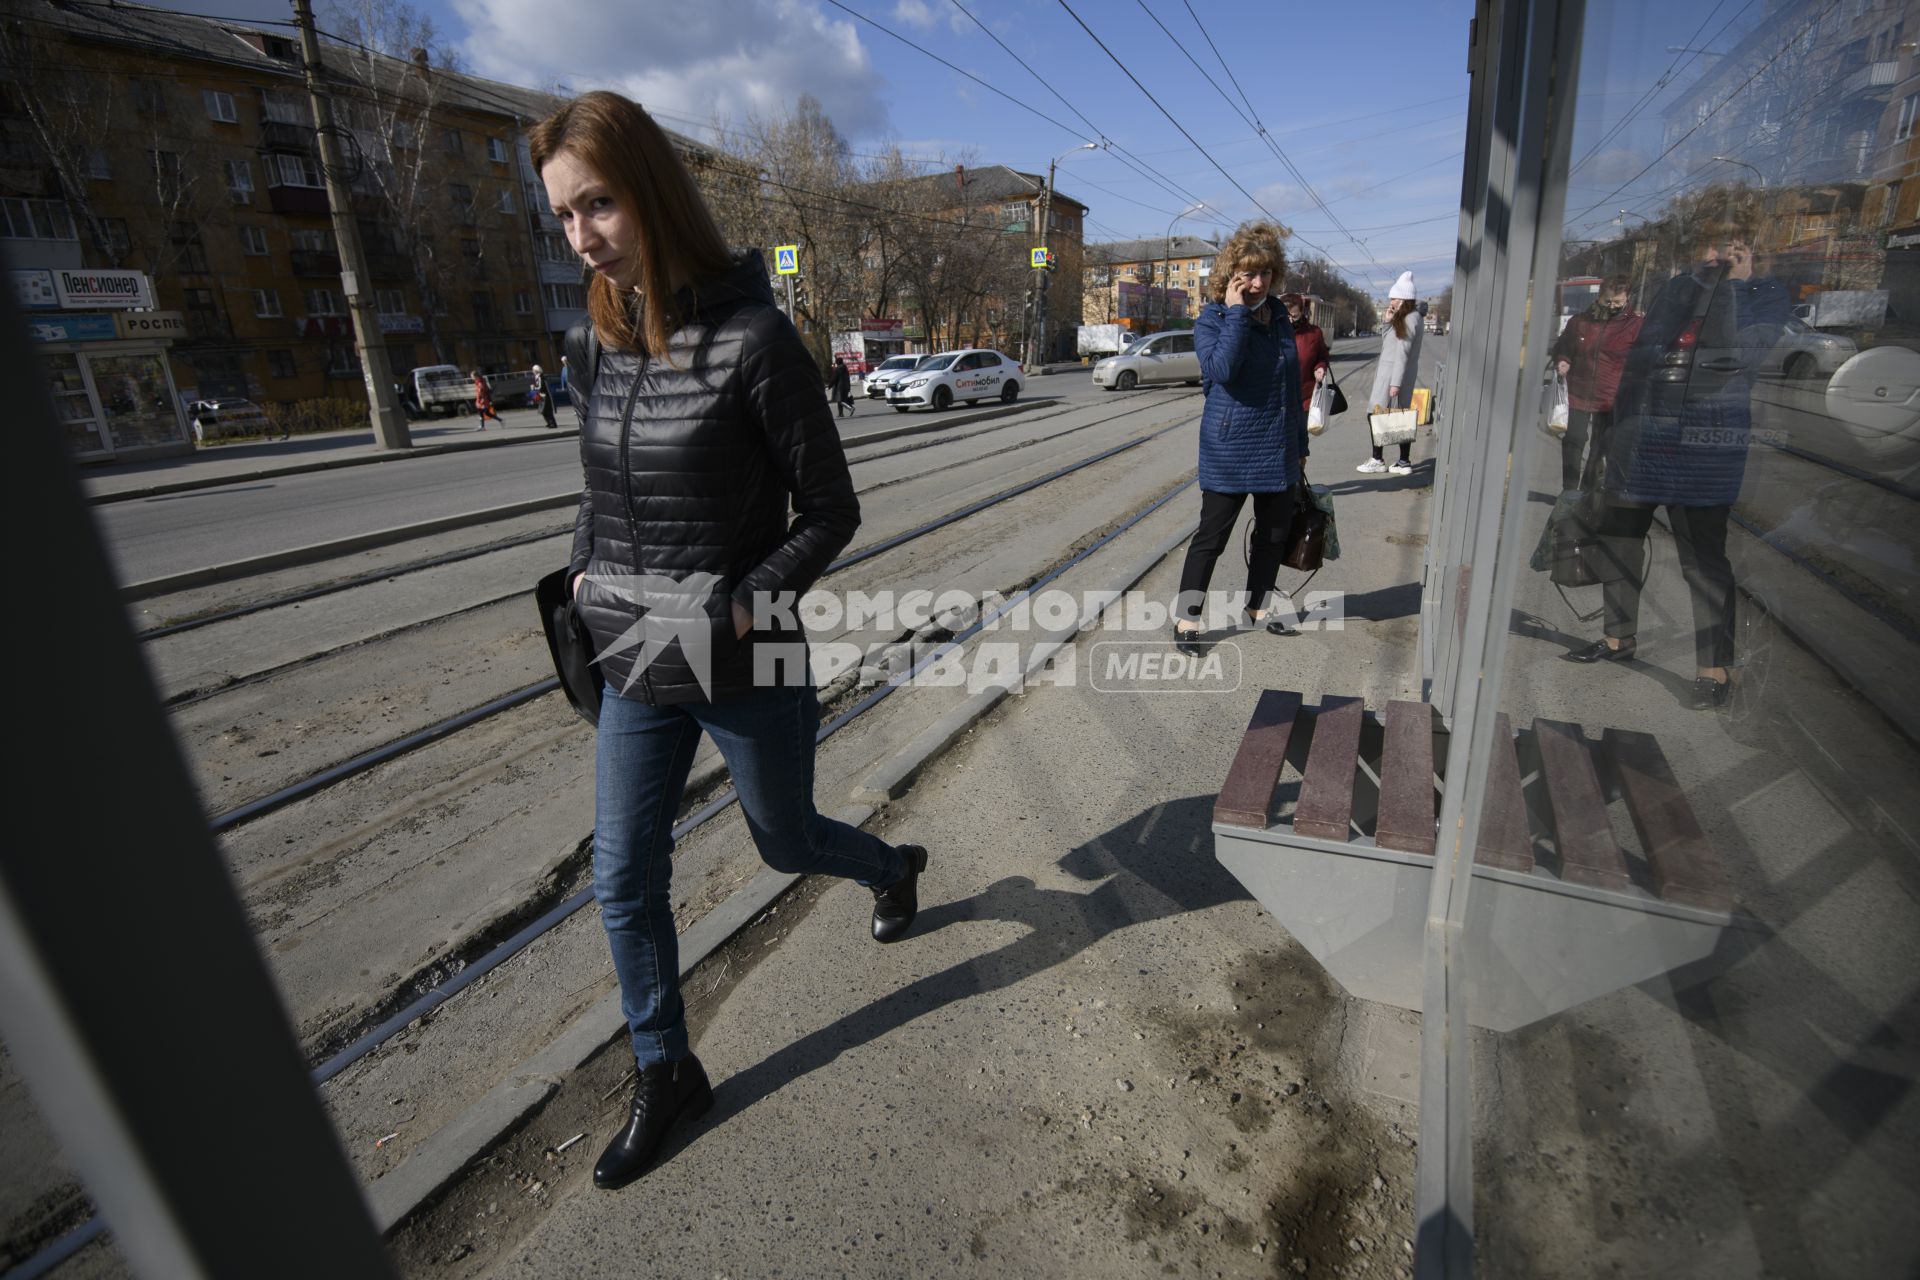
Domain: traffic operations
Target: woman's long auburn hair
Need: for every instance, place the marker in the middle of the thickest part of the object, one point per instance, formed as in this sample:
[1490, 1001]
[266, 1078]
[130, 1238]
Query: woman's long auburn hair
[1397, 316]
[619, 141]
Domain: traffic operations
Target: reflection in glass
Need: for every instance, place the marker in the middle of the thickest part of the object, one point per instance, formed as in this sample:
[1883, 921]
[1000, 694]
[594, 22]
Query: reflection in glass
[1711, 696]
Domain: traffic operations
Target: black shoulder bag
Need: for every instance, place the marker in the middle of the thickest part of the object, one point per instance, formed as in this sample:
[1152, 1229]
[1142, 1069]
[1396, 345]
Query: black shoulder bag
[568, 642]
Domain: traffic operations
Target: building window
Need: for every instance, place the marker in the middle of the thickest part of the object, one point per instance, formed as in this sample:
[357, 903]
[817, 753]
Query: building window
[185, 238]
[390, 302]
[553, 248]
[470, 249]
[459, 195]
[293, 171]
[280, 364]
[95, 164]
[522, 303]
[506, 199]
[309, 240]
[322, 302]
[166, 174]
[148, 98]
[220, 106]
[482, 302]
[240, 181]
[266, 305]
[36, 220]
[342, 360]
[282, 108]
[450, 140]
[254, 240]
[496, 151]
[1909, 106]
[564, 297]
[1014, 214]
[439, 305]
[116, 239]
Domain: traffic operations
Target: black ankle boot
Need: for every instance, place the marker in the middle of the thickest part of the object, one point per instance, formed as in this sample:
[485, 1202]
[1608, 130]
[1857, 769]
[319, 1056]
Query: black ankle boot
[895, 906]
[663, 1093]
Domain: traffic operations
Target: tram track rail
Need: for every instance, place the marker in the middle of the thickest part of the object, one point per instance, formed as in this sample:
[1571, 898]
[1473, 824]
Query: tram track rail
[376, 756]
[404, 568]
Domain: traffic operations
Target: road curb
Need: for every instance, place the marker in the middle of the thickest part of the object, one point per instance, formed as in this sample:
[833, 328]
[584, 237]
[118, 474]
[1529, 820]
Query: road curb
[942, 422]
[328, 464]
[452, 1149]
[315, 551]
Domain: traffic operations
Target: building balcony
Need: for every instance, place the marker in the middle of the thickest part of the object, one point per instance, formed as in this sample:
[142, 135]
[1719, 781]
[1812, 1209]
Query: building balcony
[1875, 75]
[295, 139]
[298, 200]
[313, 262]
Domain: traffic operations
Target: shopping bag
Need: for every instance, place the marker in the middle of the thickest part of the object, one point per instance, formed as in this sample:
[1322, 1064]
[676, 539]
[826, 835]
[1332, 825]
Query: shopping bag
[1396, 426]
[1320, 410]
[1557, 406]
[1422, 405]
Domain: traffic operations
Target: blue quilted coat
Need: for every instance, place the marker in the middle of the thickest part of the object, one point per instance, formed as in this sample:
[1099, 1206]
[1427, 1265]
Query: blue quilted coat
[1253, 432]
[1682, 423]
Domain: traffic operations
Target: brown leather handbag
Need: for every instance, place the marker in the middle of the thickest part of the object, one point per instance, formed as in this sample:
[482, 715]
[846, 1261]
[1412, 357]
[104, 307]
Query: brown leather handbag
[1306, 538]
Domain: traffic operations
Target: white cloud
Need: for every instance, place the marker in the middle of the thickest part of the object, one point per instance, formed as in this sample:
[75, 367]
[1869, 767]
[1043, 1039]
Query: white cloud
[720, 59]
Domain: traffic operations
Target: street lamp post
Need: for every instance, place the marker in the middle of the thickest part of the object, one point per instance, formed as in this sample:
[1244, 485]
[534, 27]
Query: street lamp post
[1166, 263]
[1744, 165]
[1037, 336]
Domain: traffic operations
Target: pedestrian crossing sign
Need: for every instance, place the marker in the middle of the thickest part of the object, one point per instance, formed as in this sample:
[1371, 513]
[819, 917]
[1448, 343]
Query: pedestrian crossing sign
[786, 259]
[1040, 257]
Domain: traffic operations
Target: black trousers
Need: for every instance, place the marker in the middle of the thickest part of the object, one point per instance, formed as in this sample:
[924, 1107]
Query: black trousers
[1583, 448]
[1700, 536]
[1219, 512]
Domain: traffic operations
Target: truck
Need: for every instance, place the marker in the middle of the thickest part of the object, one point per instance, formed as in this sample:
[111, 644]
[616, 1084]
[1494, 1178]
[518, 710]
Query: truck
[442, 389]
[1843, 309]
[1099, 340]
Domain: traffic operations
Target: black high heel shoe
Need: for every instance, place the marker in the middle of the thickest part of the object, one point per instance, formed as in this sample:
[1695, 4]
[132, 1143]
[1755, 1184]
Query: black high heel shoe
[1709, 693]
[1188, 642]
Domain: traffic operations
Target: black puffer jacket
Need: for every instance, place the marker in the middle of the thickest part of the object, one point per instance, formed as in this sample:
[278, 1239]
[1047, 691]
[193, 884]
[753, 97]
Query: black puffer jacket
[690, 465]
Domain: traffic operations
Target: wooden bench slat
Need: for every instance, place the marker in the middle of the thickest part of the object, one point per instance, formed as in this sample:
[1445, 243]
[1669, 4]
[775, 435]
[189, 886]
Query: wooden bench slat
[1589, 854]
[1504, 839]
[1406, 780]
[1247, 794]
[1325, 809]
[1686, 869]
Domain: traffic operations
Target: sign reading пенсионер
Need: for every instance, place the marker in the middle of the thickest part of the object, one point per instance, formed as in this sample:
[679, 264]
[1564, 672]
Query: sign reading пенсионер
[80, 288]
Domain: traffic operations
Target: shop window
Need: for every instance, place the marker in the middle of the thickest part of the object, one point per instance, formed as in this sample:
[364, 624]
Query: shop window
[137, 399]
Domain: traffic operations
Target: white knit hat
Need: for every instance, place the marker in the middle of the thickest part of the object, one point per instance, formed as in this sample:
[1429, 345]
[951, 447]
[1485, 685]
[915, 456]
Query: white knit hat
[1403, 287]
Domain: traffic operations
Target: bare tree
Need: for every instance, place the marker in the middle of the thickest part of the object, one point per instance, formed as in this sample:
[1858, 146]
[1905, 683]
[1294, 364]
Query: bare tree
[67, 95]
[400, 79]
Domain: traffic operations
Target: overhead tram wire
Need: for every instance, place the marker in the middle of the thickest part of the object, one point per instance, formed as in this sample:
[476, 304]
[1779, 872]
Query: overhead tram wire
[1251, 198]
[1662, 81]
[1699, 124]
[1252, 117]
[1121, 153]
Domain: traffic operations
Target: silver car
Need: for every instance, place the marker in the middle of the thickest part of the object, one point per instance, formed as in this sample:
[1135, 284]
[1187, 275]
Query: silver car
[1805, 352]
[1158, 357]
[891, 368]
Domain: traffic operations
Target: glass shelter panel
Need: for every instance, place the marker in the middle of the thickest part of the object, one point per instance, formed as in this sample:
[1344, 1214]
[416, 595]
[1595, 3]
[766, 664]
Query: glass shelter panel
[1692, 932]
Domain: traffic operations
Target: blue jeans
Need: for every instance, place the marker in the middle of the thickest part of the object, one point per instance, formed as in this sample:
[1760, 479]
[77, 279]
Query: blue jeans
[644, 754]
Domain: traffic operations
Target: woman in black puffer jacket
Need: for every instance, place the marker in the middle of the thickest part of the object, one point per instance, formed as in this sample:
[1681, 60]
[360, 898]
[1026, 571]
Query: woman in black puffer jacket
[701, 419]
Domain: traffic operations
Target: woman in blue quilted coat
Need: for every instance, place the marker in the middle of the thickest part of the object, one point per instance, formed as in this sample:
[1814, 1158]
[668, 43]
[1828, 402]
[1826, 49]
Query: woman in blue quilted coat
[1682, 422]
[1253, 430]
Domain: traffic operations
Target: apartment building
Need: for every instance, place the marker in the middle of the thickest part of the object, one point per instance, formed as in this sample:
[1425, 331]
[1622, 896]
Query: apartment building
[1147, 285]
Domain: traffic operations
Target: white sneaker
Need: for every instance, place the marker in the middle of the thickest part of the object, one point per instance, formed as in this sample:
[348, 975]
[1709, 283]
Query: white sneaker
[1372, 467]
[1400, 469]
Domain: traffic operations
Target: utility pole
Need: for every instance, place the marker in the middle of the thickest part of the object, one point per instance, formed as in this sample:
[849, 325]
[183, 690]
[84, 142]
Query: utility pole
[1039, 341]
[389, 420]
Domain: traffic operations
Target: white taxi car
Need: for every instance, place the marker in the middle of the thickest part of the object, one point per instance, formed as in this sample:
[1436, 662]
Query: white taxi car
[972, 374]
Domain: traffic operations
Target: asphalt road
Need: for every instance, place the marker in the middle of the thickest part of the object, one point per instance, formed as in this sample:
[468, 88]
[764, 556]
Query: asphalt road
[177, 532]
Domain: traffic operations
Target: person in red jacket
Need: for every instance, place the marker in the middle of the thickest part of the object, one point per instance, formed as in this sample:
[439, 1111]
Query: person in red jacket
[1591, 354]
[1311, 345]
[483, 401]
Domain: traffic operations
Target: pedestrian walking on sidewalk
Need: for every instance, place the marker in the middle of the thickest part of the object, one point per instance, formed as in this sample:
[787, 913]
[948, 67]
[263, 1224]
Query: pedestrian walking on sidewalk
[1250, 370]
[1310, 344]
[1591, 354]
[1394, 377]
[701, 419]
[483, 400]
[842, 383]
[545, 398]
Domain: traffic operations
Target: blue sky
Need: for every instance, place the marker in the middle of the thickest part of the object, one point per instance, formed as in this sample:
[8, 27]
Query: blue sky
[1369, 105]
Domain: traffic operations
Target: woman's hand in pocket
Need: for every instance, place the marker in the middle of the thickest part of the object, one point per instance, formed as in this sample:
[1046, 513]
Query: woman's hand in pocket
[742, 621]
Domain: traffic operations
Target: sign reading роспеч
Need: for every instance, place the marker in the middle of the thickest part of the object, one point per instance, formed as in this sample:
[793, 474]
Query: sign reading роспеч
[95, 289]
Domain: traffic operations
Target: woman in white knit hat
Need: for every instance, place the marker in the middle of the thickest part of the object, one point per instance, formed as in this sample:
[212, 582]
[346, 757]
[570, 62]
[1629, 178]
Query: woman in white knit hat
[1399, 366]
